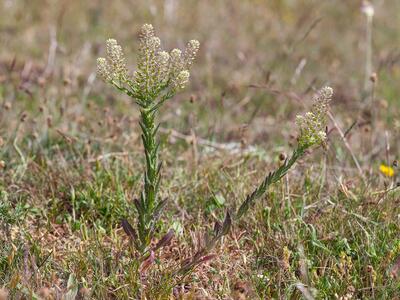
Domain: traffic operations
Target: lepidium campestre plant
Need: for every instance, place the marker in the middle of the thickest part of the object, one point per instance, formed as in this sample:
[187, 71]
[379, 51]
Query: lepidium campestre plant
[158, 77]
[312, 132]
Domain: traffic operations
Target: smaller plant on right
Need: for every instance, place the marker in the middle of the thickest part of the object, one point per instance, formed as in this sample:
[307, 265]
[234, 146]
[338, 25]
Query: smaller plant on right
[312, 132]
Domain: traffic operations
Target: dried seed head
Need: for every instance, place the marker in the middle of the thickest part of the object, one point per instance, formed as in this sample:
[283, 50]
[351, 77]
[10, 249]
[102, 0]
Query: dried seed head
[23, 117]
[49, 121]
[282, 156]
[373, 77]
[312, 124]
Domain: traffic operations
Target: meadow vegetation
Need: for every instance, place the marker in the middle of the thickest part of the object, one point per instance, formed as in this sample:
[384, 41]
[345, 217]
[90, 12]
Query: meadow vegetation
[254, 199]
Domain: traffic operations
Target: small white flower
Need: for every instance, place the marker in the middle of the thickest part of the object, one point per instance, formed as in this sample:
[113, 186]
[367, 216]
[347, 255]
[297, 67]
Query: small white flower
[147, 31]
[321, 136]
[176, 58]
[163, 60]
[181, 80]
[115, 61]
[102, 69]
[163, 57]
[155, 42]
[191, 51]
[177, 63]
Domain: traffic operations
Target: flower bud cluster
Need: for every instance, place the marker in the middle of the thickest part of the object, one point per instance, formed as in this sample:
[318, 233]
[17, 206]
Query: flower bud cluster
[157, 71]
[312, 124]
[113, 68]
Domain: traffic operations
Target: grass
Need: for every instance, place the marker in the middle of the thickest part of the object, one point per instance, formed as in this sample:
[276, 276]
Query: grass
[73, 157]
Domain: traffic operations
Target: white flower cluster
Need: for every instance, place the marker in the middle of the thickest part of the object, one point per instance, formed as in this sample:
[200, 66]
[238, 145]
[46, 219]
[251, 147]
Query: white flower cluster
[312, 124]
[114, 67]
[157, 70]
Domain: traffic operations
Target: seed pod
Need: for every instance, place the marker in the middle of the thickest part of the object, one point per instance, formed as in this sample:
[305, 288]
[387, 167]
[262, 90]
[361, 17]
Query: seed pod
[282, 156]
[373, 78]
[23, 117]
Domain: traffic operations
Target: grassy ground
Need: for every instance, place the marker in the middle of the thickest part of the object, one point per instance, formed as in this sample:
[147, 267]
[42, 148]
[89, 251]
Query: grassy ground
[71, 155]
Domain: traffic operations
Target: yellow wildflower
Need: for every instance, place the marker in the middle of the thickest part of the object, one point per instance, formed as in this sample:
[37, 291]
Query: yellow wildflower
[386, 170]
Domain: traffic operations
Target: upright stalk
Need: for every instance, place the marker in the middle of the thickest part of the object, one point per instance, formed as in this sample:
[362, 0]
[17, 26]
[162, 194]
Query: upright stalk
[158, 77]
[271, 178]
[368, 9]
[148, 198]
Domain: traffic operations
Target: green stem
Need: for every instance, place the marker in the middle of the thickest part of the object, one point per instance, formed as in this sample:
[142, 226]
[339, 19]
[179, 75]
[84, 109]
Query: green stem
[221, 230]
[148, 203]
[271, 178]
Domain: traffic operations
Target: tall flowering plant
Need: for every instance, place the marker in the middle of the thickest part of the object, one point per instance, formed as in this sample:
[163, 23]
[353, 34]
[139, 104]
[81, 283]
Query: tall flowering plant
[158, 77]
